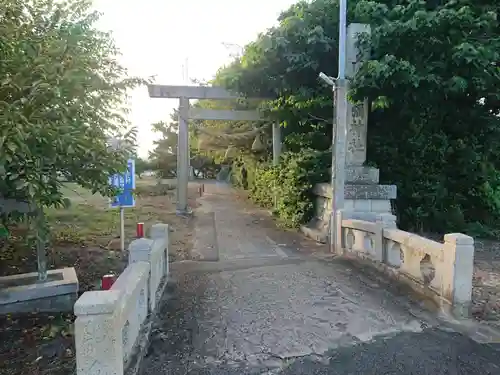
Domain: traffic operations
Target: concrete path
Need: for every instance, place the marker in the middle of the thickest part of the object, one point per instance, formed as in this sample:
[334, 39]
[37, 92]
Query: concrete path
[259, 300]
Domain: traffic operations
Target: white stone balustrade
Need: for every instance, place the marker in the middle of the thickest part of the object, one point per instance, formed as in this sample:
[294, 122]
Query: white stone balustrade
[108, 324]
[155, 251]
[442, 270]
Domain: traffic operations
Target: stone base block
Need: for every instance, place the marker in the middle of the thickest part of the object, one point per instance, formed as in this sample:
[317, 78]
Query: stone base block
[359, 191]
[323, 207]
[317, 230]
[23, 293]
[362, 201]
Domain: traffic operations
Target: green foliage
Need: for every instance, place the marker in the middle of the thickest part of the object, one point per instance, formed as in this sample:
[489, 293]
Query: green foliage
[61, 97]
[143, 165]
[436, 71]
[432, 80]
[291, 182]
[244, 169]
[164, 155]
[283, 65]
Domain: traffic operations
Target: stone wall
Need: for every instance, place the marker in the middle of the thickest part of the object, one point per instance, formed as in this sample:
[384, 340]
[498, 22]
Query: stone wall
[112, 326]
[364, 200]
[358, 198]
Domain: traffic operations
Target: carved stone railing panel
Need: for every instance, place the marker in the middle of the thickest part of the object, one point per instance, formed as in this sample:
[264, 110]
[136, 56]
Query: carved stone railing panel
[442, 269]
[395, 255]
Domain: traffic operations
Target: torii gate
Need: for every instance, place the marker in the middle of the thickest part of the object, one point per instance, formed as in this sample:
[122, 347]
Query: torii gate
[184, 93]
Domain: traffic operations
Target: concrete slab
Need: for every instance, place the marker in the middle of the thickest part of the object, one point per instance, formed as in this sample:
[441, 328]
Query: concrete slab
[23, 293]
[359, 191]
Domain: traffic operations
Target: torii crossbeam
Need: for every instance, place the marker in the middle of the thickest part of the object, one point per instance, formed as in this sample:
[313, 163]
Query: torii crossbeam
[184, 93]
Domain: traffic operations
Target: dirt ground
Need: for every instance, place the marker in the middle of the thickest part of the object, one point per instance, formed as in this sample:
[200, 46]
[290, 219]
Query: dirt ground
[486, 282]
[84, 236]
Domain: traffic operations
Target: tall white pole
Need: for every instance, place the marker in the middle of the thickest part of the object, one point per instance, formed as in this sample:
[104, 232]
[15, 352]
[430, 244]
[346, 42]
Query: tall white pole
[276, 143]
[183, 157]
[342, 37]
[276, 156]
[122, 229]
[340, 132]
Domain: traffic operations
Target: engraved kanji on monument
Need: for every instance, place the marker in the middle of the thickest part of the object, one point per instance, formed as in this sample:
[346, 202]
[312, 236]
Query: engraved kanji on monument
[357, 113]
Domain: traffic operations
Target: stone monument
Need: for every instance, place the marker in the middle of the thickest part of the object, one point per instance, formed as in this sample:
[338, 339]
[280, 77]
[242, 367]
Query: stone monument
[364, 196]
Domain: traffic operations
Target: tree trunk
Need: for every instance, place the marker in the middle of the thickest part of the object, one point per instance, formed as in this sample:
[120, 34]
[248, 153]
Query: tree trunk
[39, 228]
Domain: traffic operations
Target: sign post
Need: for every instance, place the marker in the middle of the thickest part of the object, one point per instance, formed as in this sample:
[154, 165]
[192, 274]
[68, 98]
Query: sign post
[126, 183]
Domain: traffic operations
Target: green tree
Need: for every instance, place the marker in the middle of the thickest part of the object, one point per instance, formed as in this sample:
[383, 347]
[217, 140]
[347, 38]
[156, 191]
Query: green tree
[283, 64]
[142, 165]
[61, 96]
[433, 82]
[434, 71]
[164, 155]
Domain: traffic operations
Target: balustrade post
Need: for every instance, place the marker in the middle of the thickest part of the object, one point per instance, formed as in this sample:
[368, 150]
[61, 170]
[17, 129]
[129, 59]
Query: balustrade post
[98, 334]
[382, 221]
[458, 272]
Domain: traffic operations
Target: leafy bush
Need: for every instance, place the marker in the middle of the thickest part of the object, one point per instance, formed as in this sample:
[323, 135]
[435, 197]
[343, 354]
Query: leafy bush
[292, 181]
[437, 135]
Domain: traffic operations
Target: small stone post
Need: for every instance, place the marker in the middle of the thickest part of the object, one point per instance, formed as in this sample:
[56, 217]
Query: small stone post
[162, 232]
[339, 243]
[382, 221]
[140, 250]
[457, 282]
[98, 334]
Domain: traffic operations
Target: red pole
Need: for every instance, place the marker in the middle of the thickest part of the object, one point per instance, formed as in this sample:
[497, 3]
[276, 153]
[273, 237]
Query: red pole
[107, 281]
[140, 230]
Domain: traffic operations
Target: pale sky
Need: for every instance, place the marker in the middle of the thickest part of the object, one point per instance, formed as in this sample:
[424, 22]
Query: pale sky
[156, 37]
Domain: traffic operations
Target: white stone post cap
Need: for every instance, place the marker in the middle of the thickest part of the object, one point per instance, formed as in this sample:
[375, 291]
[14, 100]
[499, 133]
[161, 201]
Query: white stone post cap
[458, 239]
[140, 244]
[97, 302]
[159, 230]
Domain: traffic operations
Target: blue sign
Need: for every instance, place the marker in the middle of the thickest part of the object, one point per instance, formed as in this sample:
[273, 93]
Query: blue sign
[126, 183]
